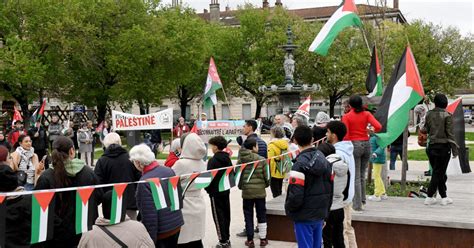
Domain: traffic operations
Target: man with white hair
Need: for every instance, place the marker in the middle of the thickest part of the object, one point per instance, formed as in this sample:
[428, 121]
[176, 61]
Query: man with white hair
[115, 167]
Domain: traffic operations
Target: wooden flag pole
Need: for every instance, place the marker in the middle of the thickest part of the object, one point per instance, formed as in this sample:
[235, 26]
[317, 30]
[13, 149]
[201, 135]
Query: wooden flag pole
[366, 41]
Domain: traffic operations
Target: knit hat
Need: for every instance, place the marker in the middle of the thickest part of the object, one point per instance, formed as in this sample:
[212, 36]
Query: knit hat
[3, 153]
[8, 179]
[322, 118]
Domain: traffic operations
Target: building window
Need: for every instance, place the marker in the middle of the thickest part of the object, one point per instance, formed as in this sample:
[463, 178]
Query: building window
[225, 112]
[246, 111]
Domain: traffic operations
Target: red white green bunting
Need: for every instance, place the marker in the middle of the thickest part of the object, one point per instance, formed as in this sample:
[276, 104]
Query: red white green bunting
[42, 217]
[227, 181]
[117, 213]
[174, 192]
[157, 193]
[84, 220]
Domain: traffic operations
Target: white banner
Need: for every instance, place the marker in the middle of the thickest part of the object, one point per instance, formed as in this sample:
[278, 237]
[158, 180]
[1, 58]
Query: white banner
[128, 122]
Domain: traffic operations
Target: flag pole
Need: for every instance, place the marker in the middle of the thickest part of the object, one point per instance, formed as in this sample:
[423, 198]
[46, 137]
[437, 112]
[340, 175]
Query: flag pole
[365, 40]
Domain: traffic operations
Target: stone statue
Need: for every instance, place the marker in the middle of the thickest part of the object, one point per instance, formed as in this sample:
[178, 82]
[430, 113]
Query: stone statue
[289, 66]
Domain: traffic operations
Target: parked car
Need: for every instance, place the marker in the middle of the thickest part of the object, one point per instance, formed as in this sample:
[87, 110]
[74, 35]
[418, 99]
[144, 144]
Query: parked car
[468, 118]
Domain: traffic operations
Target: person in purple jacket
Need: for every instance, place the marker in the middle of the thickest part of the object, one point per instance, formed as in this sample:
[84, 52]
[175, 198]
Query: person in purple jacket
[163, 225]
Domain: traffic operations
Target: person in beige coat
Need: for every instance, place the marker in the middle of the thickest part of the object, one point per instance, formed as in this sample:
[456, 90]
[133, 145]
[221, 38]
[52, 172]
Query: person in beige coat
[194, 207]
[128, 233]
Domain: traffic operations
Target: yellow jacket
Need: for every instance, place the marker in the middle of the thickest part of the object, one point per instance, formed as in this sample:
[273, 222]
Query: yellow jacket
[274, 149]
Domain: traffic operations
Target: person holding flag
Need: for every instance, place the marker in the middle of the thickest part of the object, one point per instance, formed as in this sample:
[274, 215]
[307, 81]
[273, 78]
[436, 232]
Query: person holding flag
[17, 125]
[40, 140]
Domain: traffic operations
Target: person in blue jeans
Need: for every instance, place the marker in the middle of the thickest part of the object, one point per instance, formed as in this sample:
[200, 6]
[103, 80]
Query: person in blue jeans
[309, 194]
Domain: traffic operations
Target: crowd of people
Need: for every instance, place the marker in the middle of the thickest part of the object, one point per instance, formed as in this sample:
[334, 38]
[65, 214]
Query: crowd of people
[326, 181]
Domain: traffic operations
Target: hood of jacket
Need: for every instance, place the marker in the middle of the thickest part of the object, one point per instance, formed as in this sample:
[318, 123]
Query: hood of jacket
[338, 165]
[246, 155]
[74, 167]
[281, 144]
[193, 147]
[345, 149]
[221, 157]
[114, 151]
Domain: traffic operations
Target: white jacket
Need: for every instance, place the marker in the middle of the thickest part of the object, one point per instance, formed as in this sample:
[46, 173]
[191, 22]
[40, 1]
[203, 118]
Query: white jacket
[340, 169]
[345, 149]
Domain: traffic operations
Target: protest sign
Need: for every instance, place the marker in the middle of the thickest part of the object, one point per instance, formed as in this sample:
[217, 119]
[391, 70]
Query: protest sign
[228, 129]
[128, 122]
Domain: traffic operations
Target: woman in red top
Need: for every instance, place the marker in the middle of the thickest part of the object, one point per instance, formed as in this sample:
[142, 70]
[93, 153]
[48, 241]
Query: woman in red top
[357, 122]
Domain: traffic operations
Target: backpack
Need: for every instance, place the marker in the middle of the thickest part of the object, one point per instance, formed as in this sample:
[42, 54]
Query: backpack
[283, 162]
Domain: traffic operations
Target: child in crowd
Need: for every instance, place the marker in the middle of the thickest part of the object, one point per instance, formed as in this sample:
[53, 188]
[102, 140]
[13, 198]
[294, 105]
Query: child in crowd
[309, 192]
[254, 180]
[378, 160]
[333, 232]
[220, 201]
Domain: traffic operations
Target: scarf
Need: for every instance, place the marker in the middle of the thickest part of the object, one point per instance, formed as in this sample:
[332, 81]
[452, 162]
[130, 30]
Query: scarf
[26, 163]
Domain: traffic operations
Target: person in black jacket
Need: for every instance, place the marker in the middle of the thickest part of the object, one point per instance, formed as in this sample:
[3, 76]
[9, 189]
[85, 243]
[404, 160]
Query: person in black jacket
[115, 167]
[309, 195]
[220, 201]
[67, 172]
[40, 141]
[17, 208]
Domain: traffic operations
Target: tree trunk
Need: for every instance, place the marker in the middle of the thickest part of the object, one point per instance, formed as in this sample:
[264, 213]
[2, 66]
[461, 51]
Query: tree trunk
[26, 112]
[214, 111]
[101, 109]
[183, 96]
[144, 107]
[332, 104]
[258, 110]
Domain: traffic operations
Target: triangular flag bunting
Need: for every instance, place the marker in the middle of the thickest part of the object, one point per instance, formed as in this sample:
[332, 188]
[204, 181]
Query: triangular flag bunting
[238, 173]
[84, 202]
[255, 165]
[204, 179]
[189, 182]
[227, 181]
[175, 192]
[157, 193]
[42, 217]
[117, 212]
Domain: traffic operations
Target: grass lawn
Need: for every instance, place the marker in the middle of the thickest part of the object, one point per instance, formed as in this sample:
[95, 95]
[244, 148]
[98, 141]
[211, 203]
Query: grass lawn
[420, 155]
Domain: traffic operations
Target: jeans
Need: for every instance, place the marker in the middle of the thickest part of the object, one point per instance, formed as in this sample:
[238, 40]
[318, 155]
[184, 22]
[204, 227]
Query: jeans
[439, 155]
[194, 244]
[248, 205]
[275, 185]
[333, 232]
[395, 151]
[379, 185]
[309, 234]
[361, 156]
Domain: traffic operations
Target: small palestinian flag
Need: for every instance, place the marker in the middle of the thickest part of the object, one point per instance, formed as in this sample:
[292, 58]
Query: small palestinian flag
[3, 214]
[345, 16]
[205, 179]
[255, 165]
[117, 212]
[373, 84]
[267, 171]
[84, 208]
[175, 192]
[42, 217]
[227, 180]
[38, 114]
[403, 93]
[157, 193]
[238, 173]
[188, 182]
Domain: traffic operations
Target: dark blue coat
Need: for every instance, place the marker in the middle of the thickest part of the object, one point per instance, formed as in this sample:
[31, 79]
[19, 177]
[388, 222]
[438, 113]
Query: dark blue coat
[262, 146]
[157, 221]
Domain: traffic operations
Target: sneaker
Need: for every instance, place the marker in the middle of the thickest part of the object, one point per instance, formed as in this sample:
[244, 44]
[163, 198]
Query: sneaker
[224, 245]
[445, 201]
[242, 234]
[263, 242]
[250, 244]
[384, 197]
[374, 198]
[430, 201]
[359, 211]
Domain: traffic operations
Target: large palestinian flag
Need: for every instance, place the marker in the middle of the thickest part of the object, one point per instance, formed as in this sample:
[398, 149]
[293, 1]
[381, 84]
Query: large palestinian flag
[213, 83]
[455, 108]
[403, 92]
[84, 209]
[345, 16]
[374, 78]
[42, 217]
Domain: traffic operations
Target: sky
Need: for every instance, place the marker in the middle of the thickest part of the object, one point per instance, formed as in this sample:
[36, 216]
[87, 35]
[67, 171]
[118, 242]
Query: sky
[457, 13]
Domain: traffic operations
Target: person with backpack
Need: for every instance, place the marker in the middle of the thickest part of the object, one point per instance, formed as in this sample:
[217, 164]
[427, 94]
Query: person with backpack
[253, 181]
[309, 194]
[333, 231]
[278, 165]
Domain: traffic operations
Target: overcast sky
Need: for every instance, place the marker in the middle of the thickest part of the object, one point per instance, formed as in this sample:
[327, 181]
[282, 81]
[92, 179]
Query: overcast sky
[458, 13]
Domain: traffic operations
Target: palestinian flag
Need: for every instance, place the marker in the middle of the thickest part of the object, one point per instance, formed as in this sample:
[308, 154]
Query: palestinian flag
[42, 217]
[3, 214]
[403, 92]
[227, 181]
[157, 193]
[255, 165]
[455, 108]
[345, 16]
[205, 179]
[213, 83]
[38, 114]
[117, 213]
[84, 208]
[373, 84]
[175, 192]
[188, 181]
[238, 173]
[303, 110]
[267, 171]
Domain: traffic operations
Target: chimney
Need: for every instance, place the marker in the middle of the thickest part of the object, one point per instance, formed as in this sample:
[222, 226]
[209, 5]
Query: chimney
[227, 8]
[174, 3]
[215, 10]
[395, 4]
[278, 3]
[206, 11]
[265, 4]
